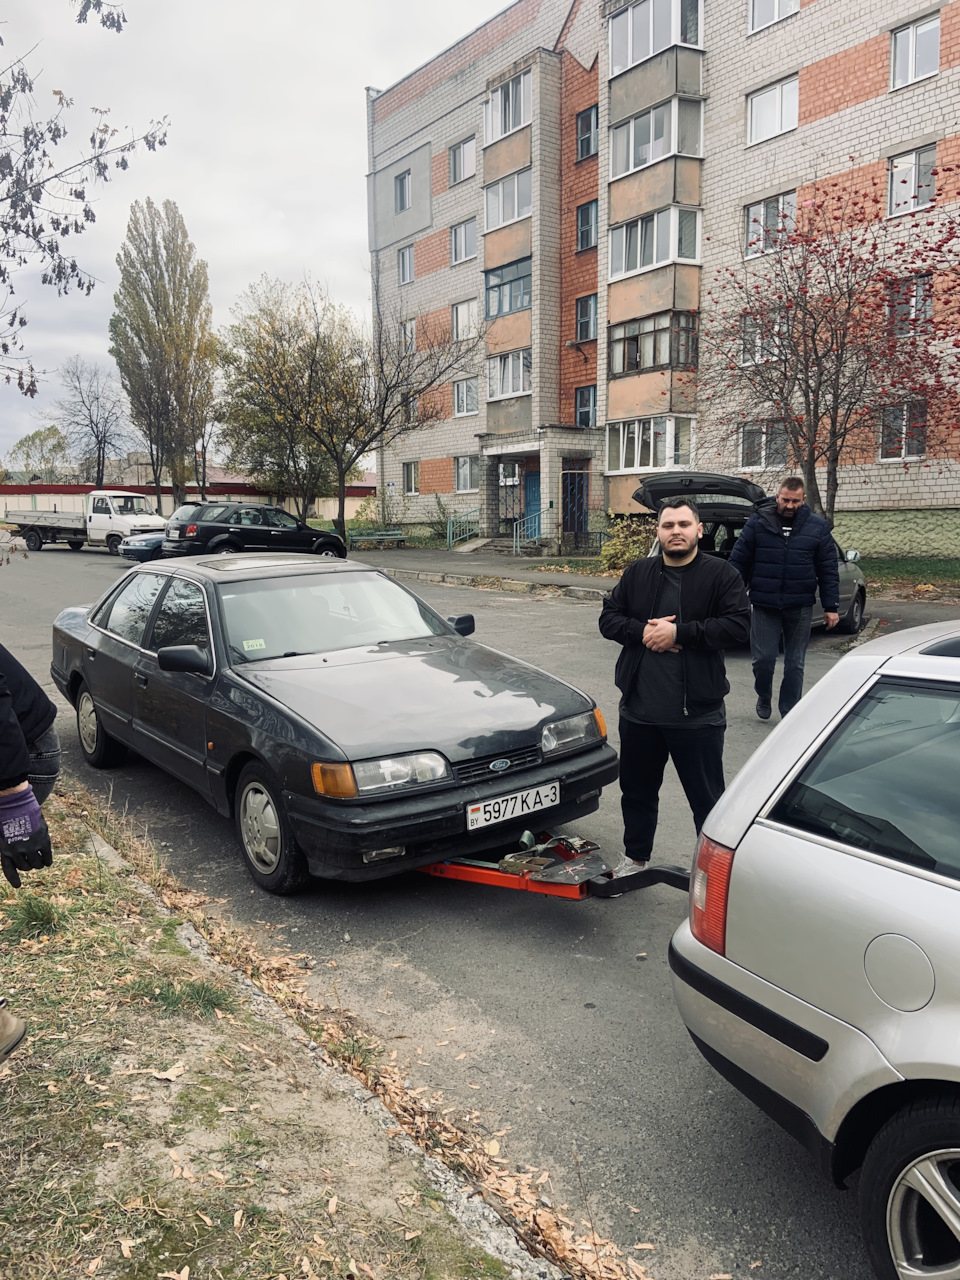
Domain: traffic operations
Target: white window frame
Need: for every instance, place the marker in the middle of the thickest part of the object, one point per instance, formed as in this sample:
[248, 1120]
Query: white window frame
[402, 191]
[472, 461]
[466, 149]
[462, 314]
[509, 474]
[518, 216]
[638, 426]
[627, 130]
[511, 369]
[782, 9]
[766, 463]
[652, 220]
[460, 241]
[764, 344]
[520, 109]
[909, 34]
[785, 122]
[899, 163]
[629, 21]
[903, 455]
[910, 297]
[755, 232]
[461, 397]
[405, 264]
[411, 478]
[408, 336]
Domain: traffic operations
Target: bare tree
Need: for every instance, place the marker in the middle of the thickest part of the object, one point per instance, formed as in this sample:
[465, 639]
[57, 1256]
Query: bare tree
[91, 416]
[836, 321]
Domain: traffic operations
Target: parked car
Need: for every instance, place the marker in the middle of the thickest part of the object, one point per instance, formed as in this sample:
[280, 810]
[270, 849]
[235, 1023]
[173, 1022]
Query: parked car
[350, 731]
[109, 516]
[726, 503]
[245, 526]
[819, 969]
[145, 546]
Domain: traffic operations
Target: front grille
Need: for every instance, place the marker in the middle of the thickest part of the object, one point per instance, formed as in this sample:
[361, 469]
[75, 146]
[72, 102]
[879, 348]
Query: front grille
[480, 771]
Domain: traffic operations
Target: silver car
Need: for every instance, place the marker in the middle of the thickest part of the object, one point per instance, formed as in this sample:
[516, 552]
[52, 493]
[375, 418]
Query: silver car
[819, 968]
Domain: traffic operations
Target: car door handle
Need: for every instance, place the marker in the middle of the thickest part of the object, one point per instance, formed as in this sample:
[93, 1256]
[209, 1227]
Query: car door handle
[140, 679]
[275, 533]
[91, 653]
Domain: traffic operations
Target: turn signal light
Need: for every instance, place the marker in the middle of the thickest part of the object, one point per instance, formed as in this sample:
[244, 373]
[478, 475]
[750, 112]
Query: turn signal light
[601, 723]
[709, 890]
[334, 780]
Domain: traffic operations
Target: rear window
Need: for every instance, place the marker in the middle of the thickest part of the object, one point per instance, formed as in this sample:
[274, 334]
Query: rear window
[215, 514]
[185, 513]
[887, 779]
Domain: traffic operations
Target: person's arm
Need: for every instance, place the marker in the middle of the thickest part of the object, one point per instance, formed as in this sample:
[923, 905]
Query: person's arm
[729, 626]
[744, 550]
[14, 757]
[615, 622]
[828, 574]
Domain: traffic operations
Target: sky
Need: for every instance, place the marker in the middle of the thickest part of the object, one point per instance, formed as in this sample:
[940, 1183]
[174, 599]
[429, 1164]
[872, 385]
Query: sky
[266, 154]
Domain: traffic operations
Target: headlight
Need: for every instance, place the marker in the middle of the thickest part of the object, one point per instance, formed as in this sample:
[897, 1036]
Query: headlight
[569, 735]
[400, 771]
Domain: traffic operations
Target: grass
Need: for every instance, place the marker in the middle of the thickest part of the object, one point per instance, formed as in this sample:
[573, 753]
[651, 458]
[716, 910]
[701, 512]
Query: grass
[191, 996]
[908, 573]
[33, 916]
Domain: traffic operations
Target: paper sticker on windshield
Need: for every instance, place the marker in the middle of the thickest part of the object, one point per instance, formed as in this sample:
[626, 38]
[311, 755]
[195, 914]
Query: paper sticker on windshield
[254, 644]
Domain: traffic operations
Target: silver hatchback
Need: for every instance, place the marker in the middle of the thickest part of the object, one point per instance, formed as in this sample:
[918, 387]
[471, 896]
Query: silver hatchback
[819, 968]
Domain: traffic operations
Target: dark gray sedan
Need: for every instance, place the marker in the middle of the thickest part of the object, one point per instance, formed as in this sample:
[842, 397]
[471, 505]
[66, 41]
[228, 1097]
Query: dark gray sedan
[350, 731]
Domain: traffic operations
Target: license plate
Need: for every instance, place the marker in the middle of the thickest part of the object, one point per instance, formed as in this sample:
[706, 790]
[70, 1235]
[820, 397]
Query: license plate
[515, 805]
[173, 533]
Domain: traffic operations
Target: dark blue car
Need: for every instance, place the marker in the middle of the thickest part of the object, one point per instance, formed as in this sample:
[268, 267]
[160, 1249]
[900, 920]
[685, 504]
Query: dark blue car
[143, 546]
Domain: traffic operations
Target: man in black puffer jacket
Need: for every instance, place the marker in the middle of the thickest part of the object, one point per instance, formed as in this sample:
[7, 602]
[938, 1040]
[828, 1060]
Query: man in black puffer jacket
[785, 553]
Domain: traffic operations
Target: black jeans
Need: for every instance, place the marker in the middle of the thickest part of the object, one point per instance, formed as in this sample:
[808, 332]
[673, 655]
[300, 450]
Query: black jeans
[697, 756]
[766, 628]
[44, 766]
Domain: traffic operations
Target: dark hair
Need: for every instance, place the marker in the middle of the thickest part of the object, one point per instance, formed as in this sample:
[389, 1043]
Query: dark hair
[670, 504]
[793, 483]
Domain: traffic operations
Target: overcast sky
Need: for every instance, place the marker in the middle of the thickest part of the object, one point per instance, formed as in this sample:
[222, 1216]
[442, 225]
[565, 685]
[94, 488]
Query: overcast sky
[266, 154]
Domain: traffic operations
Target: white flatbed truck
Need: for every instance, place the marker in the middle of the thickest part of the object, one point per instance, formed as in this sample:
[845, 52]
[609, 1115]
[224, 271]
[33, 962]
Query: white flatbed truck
[109, 516]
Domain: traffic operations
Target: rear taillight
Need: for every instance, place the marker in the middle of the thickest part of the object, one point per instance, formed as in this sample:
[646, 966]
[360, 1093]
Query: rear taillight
[709, 889]
[190, 531]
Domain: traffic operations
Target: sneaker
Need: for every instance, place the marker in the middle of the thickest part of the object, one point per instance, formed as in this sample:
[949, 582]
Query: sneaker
[12, 1031]
[627, 866]
[763, 709]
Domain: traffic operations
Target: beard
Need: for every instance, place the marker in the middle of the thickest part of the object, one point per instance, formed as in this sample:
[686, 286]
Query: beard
[676, 551]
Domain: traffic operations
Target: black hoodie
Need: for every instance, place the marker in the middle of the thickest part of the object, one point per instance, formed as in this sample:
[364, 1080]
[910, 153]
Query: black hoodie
[25, 713]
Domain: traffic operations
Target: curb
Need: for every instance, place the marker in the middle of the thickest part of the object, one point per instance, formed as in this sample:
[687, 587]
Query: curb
[515, 586]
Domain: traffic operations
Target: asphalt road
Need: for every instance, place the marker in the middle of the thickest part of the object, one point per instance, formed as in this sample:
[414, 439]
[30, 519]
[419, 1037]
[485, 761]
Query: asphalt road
[563, 1009]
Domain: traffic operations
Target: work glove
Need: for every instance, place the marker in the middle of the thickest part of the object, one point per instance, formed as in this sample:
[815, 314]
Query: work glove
[24, 838]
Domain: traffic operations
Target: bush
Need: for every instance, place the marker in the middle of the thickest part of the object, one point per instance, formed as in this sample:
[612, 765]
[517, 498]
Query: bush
[629, 539]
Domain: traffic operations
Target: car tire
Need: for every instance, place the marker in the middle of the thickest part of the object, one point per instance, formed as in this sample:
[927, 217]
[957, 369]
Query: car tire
[920, 1143]
[331, 550]
[266, 838]
[33, 540]
[113, 543]
[852, 620]
[74, 544]
[227, 549]
[98, 748]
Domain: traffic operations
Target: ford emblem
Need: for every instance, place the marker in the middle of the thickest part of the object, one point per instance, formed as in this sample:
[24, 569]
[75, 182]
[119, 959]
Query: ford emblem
[499, 765]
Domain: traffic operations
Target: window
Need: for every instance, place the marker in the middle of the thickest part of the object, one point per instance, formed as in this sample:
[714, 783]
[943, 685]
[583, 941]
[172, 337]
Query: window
[408, 409]
[903, 431]
[664, 341]
[772, 111]
[587, 317]
[764, 444]
[759, 338]
[916, 51]
[585, 404]
[463, 241]
[402, 191]
[405, 264]
[464, 320]
[282, 519]
[885, 780]
[509, 474]
[467, 474]
[587, 225]
[465, 397]
[408, 336]
[588, 138]
[509, 375]
[769, 222]
[508, 107]
[649, 442]
[671, 234]
[765, 12]
[411, 477]
[646, 28]
[509, 199]
[463, 160]
[509, 288]
[182, 618]
[912, 184]
[909, 304]
[131, 609]
[673, 128]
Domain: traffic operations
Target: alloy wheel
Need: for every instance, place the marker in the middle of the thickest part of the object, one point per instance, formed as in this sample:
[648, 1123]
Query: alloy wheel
[923, 1218]
[87, 723]
[260, 828]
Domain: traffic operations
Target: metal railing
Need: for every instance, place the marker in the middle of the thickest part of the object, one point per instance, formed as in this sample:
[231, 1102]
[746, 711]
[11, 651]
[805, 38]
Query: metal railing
[466, 525]
[526, 531]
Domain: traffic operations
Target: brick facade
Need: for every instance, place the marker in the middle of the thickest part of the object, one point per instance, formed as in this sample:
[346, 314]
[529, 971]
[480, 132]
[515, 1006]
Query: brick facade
[436, 475]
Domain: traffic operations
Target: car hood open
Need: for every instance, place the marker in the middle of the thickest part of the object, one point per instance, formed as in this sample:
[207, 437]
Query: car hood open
[443, 693]
[706, 488]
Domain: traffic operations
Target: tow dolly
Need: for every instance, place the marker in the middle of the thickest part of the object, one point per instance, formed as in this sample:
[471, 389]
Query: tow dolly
[558, 866]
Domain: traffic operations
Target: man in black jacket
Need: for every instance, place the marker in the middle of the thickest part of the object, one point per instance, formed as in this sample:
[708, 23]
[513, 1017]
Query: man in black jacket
[674, 614]
[785, 553]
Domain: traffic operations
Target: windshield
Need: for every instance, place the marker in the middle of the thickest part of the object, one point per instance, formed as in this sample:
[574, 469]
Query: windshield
[130, 504]
[319, 613]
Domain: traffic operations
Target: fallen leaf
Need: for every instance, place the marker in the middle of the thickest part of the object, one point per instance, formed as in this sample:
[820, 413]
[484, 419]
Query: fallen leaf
[224, 1109]
[126, 1248]
[94, 1266]
[721, 1275]
[644, 1246]
[364, 1267]
[412, 1235]
[473, 1086]
[332, 1207]
[633, 1208]
[238, 1220]
[440, 1043]
[393, 1055]
[754, 1265]
[460, 1057]
[215, 1173]
[542, 1179]
[492, 1148]
[203, 1218]
[175, 1275]
[173, 1073]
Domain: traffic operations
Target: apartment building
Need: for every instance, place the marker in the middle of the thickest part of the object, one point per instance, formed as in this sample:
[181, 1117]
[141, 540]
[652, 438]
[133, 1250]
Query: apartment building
[570, 172]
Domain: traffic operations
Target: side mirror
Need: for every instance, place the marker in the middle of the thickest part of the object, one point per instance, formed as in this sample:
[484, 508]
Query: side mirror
[853, 557]
[184, 657]
[464, 624]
